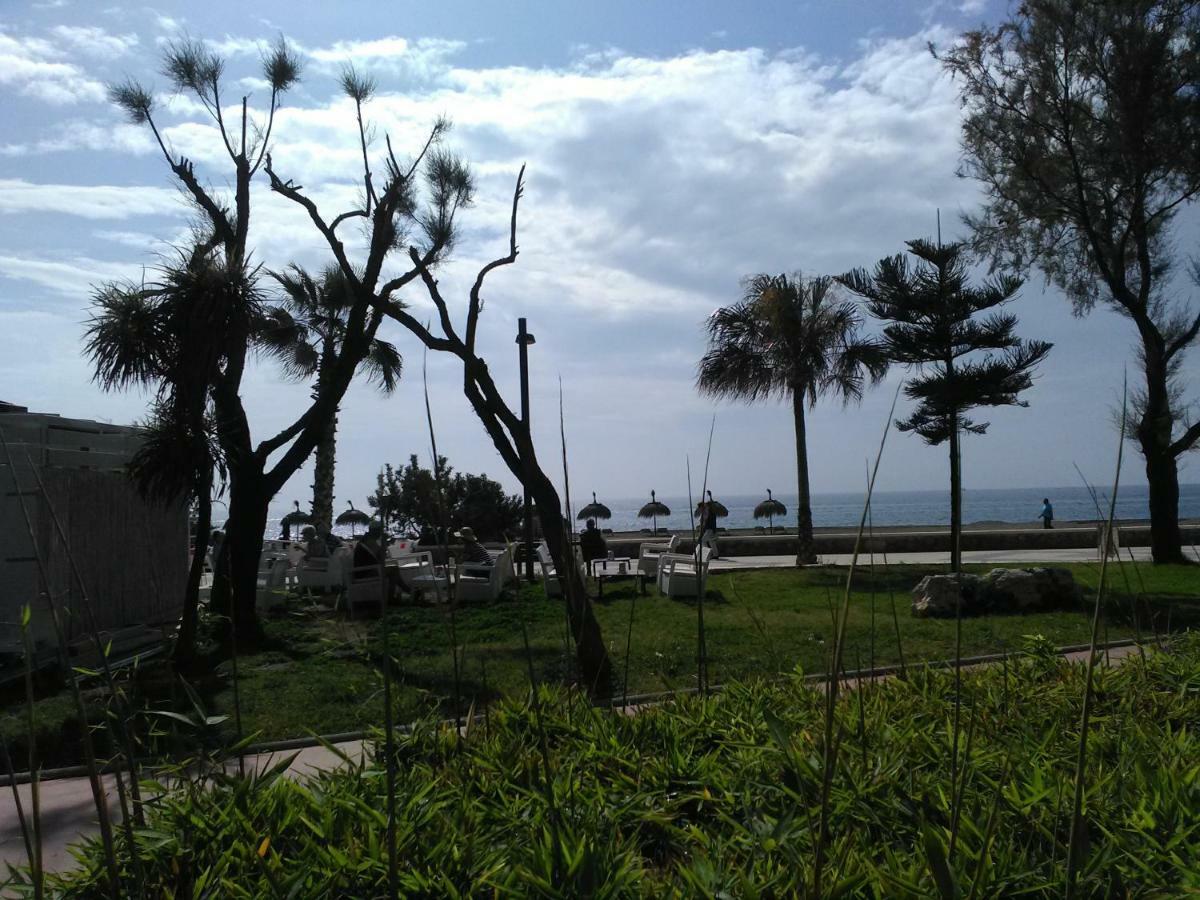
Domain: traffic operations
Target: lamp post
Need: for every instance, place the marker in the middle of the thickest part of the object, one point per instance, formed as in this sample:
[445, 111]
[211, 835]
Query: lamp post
[524, 339]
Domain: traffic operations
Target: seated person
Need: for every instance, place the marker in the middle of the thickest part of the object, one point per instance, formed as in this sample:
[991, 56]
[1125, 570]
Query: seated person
[591, 543]
[474, 553]
[369, 552]
[314, 546]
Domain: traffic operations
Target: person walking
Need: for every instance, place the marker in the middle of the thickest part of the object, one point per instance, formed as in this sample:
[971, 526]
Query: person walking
[708, 527]
[1047, 513]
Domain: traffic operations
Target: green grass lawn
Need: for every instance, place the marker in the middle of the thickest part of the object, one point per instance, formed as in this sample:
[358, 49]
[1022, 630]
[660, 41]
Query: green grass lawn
[321, 674]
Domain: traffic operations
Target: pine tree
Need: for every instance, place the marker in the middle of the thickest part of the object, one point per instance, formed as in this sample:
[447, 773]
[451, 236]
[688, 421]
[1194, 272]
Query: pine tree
[933, 325]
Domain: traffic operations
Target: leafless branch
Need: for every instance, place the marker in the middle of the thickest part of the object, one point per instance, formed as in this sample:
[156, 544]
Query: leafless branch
[476, 304]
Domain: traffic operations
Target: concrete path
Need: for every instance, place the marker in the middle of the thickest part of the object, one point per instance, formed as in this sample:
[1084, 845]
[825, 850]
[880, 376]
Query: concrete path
[970, 557]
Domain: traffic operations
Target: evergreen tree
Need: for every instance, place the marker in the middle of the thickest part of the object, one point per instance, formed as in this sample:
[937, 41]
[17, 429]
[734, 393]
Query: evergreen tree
[1081, 125]
[933, 325]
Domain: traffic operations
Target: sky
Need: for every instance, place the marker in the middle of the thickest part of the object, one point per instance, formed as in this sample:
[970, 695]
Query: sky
[671, 149]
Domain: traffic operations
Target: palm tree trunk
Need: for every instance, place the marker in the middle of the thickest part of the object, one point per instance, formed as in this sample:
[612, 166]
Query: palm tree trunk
[806, 551]
[185, 641]
[323, 475]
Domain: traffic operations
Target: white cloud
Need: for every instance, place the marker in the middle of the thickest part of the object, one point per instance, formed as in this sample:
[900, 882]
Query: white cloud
[35, 67]
[73, 277]
[421, 58]
[94, 201]
[95, 41]
[78, 134]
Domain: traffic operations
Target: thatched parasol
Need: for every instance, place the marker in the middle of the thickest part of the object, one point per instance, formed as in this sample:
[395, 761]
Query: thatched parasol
[718, 508]
[653, 510]
[353, 517]
[769, 509]
[294, 518]
[594, 510]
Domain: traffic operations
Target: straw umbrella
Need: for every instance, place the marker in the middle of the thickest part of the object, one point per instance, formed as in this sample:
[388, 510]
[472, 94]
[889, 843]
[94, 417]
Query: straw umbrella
[653, 510]
[717, 508]
[594, 510]
[769, 509]
[295, 517]
[353, 517]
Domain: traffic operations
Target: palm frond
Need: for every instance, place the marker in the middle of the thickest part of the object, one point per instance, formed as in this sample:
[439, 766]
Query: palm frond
[383, 365]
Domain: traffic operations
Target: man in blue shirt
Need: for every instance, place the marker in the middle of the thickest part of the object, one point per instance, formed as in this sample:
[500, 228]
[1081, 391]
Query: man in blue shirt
[1047, 513]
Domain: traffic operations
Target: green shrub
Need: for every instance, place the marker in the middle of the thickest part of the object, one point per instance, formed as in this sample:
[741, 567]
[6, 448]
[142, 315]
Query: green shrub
[718, 796]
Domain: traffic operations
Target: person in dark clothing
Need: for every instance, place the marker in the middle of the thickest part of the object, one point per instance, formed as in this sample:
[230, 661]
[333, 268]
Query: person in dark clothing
[1047, 513]
[368, 555]
[591, 543]
[708, 527]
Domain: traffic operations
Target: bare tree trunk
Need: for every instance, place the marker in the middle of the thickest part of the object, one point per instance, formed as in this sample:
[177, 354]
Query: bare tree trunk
[323, 475]
[594, 665]
[955, 499]
[806, 550]
[243, 545]
[185, 641]
[1162, 473]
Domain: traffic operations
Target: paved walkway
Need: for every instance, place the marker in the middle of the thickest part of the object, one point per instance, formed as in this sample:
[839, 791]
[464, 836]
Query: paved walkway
[970, 557]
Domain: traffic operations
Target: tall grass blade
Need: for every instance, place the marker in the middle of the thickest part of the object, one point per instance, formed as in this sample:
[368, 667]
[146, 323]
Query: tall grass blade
[34, 768]
[18, 804]
[124, 714]
[1075, 846]
[829, 749]
[99, 796]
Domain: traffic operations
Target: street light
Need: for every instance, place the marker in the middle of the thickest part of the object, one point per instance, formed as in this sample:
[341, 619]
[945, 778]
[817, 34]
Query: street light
[524, 339]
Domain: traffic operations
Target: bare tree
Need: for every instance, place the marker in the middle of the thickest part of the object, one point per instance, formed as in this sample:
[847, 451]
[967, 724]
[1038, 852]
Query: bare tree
[510, 435]
[394, 211]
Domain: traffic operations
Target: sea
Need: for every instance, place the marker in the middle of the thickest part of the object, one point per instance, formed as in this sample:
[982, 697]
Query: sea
[1017, 506]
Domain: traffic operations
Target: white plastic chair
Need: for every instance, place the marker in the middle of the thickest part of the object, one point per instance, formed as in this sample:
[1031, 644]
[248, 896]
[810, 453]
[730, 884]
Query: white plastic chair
[649, 554]
[325, 573]
[678, 575]
[366, 588]
[472, 582]
[272, 580]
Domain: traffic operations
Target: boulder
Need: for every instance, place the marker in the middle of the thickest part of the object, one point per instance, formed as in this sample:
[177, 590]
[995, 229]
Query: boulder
[1025, 590]
[1001, 590]
[936, 595]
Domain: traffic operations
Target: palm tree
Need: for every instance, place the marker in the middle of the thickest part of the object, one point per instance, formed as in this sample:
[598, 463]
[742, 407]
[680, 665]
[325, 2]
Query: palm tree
[170, 337]
[306, 335]
[794, 339]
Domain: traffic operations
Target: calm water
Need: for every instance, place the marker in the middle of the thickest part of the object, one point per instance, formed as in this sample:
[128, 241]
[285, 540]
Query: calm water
[1019, 506]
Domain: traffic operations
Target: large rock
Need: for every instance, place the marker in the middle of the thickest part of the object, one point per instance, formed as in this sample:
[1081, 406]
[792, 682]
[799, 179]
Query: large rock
[1025, 590]
[936, 595]
[1001, 590]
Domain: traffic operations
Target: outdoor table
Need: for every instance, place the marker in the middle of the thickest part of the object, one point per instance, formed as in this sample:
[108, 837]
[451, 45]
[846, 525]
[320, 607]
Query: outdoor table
[614, 567]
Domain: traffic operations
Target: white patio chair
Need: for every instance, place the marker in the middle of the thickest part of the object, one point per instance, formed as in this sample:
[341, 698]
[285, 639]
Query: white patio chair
[364, 589]
[325, 573]
[678, 575]
[272, 580]
[474, 582]
[649, 554]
